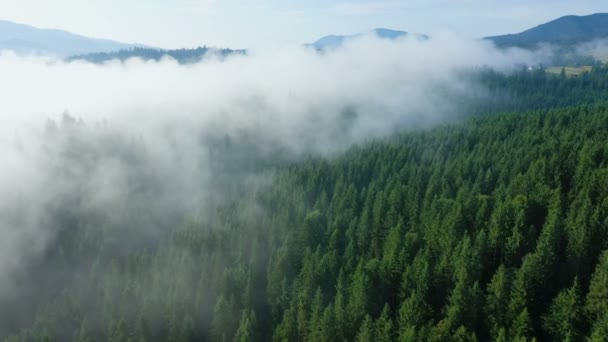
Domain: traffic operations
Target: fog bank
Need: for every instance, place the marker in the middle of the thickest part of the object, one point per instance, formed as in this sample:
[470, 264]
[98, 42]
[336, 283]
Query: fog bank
[138, 144]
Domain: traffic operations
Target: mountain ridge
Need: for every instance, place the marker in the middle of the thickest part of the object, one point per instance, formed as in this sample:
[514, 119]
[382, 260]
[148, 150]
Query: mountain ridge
[333, 41]
[27, 39]
[566, 30]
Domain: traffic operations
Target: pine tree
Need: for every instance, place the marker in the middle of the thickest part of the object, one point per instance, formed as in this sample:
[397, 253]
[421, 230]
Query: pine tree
[597, 297]
[599, 330]
[563, 321]
[366, 331]
[384, 326]
[246, 330]
[497, 301]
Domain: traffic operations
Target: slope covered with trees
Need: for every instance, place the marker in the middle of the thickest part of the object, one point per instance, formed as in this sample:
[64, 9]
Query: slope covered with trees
[495, 228]
[532, 88]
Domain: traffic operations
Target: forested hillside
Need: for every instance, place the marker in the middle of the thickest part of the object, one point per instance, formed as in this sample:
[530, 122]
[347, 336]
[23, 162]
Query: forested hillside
[534, 89]
[493, 228]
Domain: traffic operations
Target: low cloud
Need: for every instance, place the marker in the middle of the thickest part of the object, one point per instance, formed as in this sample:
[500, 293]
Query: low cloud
[598, 49]
[143, 142]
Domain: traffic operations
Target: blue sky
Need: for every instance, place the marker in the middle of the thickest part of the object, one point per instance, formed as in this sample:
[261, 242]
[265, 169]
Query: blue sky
[249, 23]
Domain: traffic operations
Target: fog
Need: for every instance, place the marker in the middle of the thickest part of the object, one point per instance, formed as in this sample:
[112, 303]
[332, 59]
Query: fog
[281, 92]
[598, 49]
[135, 144]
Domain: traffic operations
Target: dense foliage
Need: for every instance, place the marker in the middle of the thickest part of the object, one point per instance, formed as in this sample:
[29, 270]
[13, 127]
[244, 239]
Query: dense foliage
[491, 229]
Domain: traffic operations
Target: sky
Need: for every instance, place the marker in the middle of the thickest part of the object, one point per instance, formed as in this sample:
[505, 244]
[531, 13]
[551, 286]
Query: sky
[273, 23]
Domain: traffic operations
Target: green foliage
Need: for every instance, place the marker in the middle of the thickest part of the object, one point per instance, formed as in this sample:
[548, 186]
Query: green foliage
[490, 229]
[565, 315]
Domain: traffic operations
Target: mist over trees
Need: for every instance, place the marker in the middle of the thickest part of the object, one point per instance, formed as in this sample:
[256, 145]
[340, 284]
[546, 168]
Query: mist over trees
[532, 87]
[183, 56]
[487, 224]
[494, 228]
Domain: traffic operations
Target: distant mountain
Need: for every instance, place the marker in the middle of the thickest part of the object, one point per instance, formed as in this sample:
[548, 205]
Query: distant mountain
[183, 56]
[333, 41]
[565, 31]
[24, 39]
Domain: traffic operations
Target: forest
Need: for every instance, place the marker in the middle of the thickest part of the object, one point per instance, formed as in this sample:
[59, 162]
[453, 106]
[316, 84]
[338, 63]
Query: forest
[492, 227]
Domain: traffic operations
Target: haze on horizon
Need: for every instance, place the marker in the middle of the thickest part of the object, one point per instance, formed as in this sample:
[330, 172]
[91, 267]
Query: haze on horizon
[251, 24]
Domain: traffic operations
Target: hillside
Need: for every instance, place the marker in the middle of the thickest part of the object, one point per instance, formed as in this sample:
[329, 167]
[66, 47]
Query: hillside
[25, 39]
[566, 30]
[489, 229]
